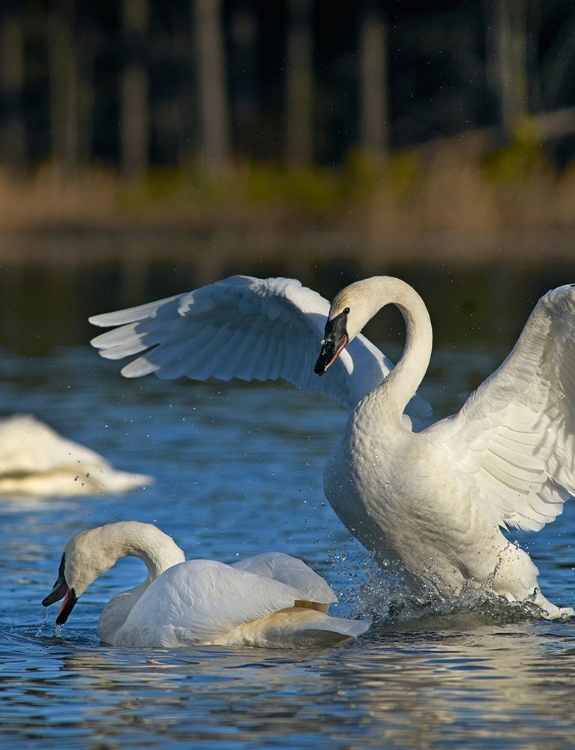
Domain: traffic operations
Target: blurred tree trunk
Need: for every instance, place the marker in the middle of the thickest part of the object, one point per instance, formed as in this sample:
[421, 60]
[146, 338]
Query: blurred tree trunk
[214, 115]
[12, 81]
[507, 60]
[299, 115]
[71, 95]
[244, 32]
[374, 86]
[64, 84]
[135, 119]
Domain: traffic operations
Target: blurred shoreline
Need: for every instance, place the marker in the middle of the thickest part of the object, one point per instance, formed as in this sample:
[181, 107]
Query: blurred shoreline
[53, 279]
[460, 202]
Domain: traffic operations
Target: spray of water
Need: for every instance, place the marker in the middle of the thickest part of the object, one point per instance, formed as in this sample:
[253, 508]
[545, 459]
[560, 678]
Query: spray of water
[41, 626]
[379, 593]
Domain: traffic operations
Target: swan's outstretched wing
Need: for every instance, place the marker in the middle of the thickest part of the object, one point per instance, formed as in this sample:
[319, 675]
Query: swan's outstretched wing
[247, 328]
[293, 572]
[516, 432]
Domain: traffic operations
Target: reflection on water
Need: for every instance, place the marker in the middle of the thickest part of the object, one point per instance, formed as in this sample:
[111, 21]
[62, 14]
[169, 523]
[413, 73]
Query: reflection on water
[414, 689]
[238, 471]
[43, 307]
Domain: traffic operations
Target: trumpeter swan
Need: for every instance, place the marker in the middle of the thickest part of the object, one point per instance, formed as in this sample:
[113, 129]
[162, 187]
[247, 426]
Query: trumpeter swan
[271, 600]
[36, 461]
[435, 499]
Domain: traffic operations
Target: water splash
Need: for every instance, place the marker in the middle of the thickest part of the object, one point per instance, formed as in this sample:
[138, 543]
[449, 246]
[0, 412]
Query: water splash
[380, 593]
[41, 626]
[57, 628]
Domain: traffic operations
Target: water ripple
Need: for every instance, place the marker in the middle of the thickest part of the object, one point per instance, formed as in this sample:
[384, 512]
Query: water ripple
[428, 674]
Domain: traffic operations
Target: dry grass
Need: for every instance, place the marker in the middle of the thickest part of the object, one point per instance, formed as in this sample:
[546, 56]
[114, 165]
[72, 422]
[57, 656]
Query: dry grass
[457, 189]
[454, 187]
[47, 200]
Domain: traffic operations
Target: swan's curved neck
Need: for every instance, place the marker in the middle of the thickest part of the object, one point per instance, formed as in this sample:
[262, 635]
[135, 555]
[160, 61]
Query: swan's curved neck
[130, 539]
[404, 380]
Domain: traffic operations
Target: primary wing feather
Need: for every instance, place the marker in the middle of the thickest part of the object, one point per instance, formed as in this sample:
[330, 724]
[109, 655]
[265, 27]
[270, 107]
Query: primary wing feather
[516, 432]
[247, 328]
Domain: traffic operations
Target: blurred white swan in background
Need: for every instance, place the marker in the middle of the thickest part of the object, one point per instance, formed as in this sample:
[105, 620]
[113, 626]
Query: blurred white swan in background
[36, 461]
[270, 600]
[434, 499]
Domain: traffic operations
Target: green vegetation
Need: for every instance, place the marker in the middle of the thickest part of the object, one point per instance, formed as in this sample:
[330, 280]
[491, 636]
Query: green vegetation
[459, 184]
[520, 158]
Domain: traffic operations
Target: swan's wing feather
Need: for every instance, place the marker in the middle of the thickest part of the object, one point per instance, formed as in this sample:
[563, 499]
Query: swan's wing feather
[247, 328]
[291, 571]
[205, 600]
[516, 432]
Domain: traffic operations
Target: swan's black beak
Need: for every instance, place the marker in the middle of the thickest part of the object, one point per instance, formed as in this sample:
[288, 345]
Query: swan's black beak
[334, 342]
[61, 590]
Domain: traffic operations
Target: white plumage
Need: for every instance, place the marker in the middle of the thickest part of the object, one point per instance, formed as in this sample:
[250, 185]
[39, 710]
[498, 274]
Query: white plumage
[271, 600]
[436, 498]
[36, 461]
[246, 328]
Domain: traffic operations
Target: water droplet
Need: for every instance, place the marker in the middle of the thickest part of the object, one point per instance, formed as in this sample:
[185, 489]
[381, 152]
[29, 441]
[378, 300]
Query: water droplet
[41, 626]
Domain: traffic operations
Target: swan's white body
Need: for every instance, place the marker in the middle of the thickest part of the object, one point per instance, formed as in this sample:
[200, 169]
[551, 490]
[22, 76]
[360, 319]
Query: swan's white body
[435, 498]
[270, 600]
[36, 461]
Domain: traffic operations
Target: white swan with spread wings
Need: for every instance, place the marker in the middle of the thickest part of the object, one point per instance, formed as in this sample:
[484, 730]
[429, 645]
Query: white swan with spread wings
[435, 499]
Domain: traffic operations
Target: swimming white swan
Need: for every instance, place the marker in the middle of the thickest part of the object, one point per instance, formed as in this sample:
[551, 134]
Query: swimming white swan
[436, 498]
[271, 600]
[36, 461]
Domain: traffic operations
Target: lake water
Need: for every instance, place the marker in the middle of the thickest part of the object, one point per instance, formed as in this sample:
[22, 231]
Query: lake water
[238, 470]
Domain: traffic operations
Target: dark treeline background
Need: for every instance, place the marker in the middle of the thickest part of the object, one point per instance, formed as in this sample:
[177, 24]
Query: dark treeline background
[171, 143]
[134, 83]
[370, 119]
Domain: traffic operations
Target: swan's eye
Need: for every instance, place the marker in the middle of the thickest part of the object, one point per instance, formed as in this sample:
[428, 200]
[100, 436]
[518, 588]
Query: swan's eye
[346, 311]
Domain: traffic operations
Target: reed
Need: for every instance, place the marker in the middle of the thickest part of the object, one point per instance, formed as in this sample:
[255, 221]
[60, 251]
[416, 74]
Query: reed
[455, 186]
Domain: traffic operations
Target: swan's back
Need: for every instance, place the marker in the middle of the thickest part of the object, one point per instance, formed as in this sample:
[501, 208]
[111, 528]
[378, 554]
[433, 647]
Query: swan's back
[200, 601]
[211, 603]
[313, 591]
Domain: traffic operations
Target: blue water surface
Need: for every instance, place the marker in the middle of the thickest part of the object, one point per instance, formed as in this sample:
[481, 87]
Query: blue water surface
[238, 470]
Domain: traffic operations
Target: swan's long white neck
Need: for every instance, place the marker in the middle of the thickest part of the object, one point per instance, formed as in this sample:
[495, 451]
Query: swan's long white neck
[91, 553]
[132, 539]
[404, 380]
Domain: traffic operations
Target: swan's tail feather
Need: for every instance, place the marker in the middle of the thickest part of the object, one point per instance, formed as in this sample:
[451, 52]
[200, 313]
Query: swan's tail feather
[330, 633]
[295, 628]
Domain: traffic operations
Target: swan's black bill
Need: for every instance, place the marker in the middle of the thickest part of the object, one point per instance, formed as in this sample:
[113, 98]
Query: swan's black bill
[61, 590]
[334, 342]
